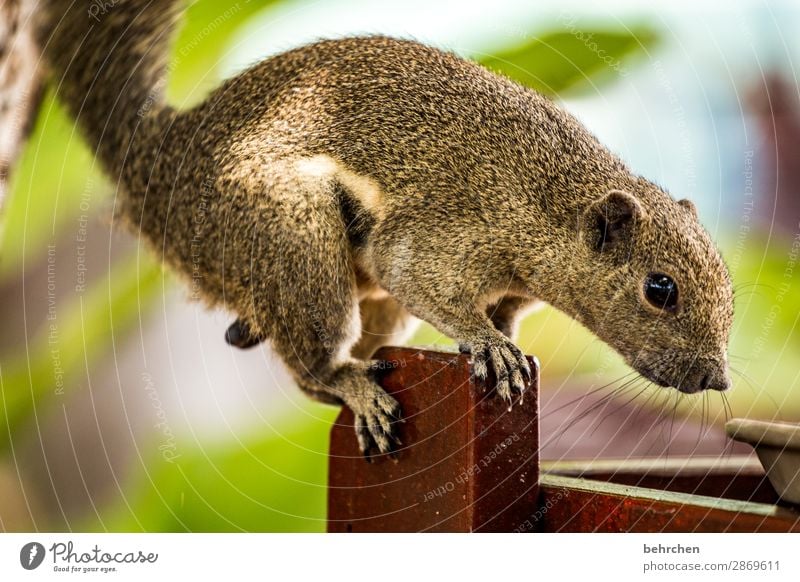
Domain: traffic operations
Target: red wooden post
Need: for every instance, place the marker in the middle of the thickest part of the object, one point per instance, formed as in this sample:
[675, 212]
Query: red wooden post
[467, 463]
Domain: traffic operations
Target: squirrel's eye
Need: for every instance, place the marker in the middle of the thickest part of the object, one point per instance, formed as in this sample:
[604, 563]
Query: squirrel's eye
[661, 291]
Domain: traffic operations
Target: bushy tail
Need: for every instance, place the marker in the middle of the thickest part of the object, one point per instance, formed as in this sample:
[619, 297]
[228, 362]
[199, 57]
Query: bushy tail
[109, 64]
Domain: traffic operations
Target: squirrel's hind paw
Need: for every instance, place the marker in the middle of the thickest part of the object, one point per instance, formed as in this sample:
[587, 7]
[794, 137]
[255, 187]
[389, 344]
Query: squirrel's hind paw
[376, 415]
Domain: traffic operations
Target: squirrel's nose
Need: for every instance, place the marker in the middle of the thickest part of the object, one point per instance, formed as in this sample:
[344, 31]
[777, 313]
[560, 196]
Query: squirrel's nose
[720, 381]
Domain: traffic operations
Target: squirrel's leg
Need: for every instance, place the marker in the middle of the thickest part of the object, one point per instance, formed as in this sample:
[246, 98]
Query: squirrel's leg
[304, 298]
[317, 326]
[451, 298]
[507, 312]
[475, 333]
[383, 321]
[350, 382]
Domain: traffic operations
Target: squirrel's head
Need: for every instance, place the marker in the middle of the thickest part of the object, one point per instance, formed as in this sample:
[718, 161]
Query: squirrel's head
[657, 289]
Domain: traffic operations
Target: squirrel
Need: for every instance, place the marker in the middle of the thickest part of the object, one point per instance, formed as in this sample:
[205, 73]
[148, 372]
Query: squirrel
[334, 194]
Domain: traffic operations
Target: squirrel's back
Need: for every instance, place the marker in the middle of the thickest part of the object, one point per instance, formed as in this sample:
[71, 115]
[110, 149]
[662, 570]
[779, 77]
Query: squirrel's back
[406, 104]
[398, 111]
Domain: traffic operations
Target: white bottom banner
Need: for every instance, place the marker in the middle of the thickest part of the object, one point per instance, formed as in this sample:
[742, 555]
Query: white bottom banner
[390, 557]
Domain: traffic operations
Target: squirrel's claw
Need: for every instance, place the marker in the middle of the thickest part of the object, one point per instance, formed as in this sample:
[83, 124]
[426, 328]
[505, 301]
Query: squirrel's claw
[239, 336]
[362, 436]
[375, 420]
[510, 367]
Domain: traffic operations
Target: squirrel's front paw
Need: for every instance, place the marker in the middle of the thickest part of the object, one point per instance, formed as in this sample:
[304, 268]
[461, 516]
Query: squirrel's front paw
[510, 367]
[376, 415]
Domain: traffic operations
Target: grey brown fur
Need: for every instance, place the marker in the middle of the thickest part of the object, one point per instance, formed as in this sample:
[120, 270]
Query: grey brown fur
[331, 193]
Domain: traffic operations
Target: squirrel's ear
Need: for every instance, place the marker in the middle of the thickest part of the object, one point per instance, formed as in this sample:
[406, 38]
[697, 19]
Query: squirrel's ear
[611, 219]
[689, 205]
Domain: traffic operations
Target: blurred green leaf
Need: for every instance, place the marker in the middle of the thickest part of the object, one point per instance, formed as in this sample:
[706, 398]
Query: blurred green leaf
[55, 171]
[201, 44]
[572, 59]
[275, 481]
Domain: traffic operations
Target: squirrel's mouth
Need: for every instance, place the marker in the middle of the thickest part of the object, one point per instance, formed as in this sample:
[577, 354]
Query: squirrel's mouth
[689, 381]
[687, 371]
[655, 377]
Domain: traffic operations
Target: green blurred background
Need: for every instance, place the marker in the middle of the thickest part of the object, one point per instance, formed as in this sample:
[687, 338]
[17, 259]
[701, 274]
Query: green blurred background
[125, 411]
